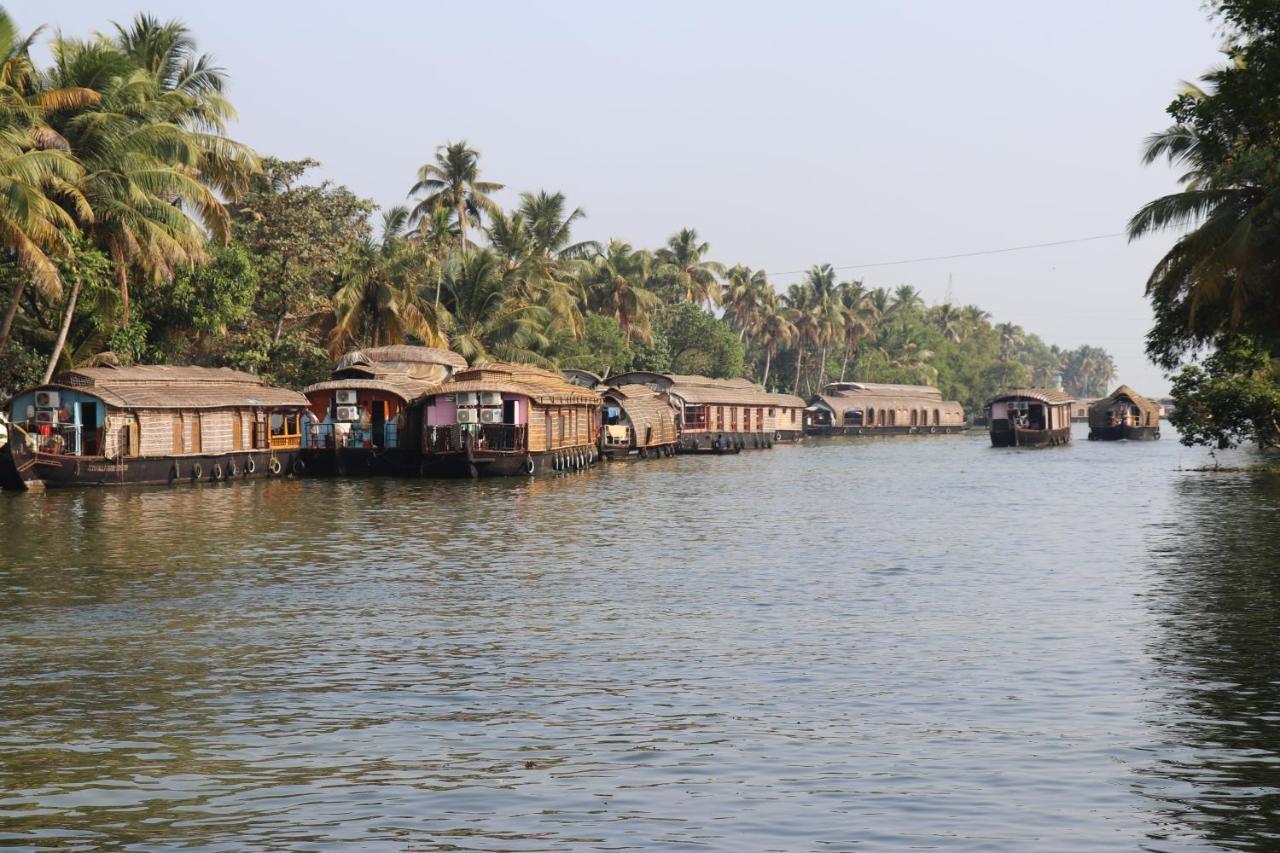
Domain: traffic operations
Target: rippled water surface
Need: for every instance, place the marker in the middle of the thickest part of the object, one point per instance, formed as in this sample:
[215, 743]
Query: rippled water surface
[886, 643]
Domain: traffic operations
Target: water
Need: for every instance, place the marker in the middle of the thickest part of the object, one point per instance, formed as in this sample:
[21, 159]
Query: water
[887, 643]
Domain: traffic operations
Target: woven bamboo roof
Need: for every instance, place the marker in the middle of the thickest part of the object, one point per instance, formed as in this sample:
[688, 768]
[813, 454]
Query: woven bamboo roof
[881, 388]
[1148, 409]
[842, 402]
[585, 378]
[157, 386]
[1052, 396]
[541, 386]
[403, 354]
[649, 412]
[404, 387]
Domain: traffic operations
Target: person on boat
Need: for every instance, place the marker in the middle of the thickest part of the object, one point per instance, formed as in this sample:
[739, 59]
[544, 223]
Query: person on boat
[718, 444]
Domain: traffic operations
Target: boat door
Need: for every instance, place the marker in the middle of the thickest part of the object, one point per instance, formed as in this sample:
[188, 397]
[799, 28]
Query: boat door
[88, 428]
[378, 421]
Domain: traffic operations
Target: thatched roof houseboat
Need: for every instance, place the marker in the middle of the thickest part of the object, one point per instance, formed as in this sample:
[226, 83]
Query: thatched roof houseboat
[718, 415]
[151, 424]
[503, 419]
[1030, 417]
[1124, 414]
[359, 409]
[637, 421]
[865, 408]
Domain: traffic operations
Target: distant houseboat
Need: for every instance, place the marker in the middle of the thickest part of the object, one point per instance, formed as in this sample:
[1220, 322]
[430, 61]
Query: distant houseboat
[1033, 417]
[724, 415]
[1125, 414]
[358, 411]
[864, 408]
[504, 420]
[151, 424]
[637, 421]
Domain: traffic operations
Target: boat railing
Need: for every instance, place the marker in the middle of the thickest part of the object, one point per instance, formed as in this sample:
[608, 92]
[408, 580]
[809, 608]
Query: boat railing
[53, 439]
[329, 436]
[495, 438]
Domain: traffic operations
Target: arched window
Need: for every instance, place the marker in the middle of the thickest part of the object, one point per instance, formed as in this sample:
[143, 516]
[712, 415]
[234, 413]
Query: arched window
[871, 417]
[915, 417]
[937, 418]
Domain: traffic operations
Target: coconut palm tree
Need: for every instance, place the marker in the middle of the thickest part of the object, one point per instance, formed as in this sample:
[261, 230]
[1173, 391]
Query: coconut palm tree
[773, 330]
[905, 300]
[948, 320]
[481, 319]
[1011, 336]
[744, 296]
[803, 313]
[860, 318]
[453, 182]
[828, 311]
[616, 283]
[681, 265]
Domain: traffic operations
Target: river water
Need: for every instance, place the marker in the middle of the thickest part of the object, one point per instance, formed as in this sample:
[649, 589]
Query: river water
[913, 642]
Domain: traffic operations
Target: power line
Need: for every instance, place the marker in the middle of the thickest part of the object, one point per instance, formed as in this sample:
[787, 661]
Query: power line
[965, 254]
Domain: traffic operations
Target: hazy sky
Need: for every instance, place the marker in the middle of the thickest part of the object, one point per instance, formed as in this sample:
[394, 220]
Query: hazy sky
[788, 134]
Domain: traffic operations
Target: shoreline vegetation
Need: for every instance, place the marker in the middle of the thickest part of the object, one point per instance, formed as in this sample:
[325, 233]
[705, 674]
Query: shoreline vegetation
[144, 233]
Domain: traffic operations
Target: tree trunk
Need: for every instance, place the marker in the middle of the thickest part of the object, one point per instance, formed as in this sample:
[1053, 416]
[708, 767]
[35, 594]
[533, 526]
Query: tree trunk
[844, 365]
[799, 365]
[462, 223]
[7, 324]
[62, 333]
[768, 357]
[822, 368]
[122, 276]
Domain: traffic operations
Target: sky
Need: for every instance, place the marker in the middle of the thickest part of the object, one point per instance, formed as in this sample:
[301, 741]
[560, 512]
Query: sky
[787, 134]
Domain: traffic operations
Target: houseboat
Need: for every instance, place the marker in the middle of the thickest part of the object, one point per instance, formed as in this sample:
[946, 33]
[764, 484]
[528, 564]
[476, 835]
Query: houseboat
[1125, 414]
[503, 420]
[636, 422]
[723, 415]
[359, 409]
[1032, 417]
[151, 424]
[865, 408]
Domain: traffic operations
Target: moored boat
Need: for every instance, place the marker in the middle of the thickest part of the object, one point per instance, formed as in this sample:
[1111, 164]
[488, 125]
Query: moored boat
[864, 408]
[359, 410]
[502, 420]
[1124, 414]
[151, 424]
[728, 413]
[636, 422]
[1030, 417]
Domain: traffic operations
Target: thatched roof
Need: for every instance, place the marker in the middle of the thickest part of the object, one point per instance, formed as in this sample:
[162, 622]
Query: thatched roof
[541, 386]
[404, 387]
[403, 354]
[585, 378]
[861, 401]
[1149, 410]
[649, 412]
[880, 388]
[704, 390]
[157, 386]
[1052, 396]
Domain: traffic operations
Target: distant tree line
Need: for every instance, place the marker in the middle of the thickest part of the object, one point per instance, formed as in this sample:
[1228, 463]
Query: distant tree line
[136, 230]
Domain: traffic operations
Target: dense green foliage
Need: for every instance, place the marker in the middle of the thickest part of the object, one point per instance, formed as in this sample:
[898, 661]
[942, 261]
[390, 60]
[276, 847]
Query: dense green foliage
[1219, 286]
[184, 246]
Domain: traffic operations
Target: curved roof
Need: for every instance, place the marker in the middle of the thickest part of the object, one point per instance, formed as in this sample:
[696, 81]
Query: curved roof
[404, 387]
[880, 388]
[840, 403]
[649, 412]
[1149, 409]
[159, 386]
[585, 378]
[402, 353]
[1052, 396]
[541, 386]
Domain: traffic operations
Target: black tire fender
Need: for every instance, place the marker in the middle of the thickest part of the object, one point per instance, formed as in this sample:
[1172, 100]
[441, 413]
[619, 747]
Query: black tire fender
[298, 467]
[197, 471]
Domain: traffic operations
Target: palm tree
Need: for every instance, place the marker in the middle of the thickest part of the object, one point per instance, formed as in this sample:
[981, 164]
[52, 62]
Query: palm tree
[859, 319]
[680, 265]
[482, 320]
[905, 300]
[948, 320]
[774, 330]
[744, 296]
[1010, 338]
[453, 182]
[828, 312]
[803, 313]
[378, 298]
[616, 282]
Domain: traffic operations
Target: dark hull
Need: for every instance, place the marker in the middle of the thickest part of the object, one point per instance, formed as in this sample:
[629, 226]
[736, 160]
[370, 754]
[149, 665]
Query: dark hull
[1017, 437]
[506, 464]
[24, 469]
[1124, 433]
[886, 430]
[623, 454]
[351, 461]
[786, 436]
[731, 442]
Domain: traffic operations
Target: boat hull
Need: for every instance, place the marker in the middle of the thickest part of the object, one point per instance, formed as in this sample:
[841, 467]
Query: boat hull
[1124, 433]
[350, 461]
[453, 465]
[625, 454]
[1004, 436]
[22, 468]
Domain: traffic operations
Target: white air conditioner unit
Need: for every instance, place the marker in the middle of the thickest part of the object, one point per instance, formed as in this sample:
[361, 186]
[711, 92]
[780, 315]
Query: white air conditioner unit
[348, 413]
[346, 398]
[46, 399]
[468, 399]
[466, 416]
[46, 416]
[490, 398]
[491, 416]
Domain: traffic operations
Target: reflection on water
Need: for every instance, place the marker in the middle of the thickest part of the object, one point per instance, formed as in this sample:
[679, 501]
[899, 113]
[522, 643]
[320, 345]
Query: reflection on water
[1215, 594]
[883, 642]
